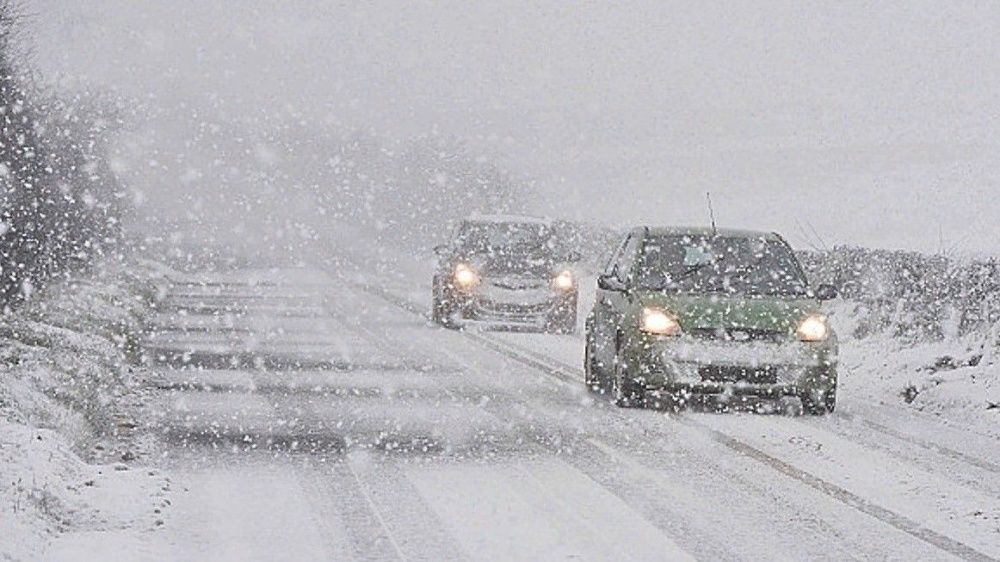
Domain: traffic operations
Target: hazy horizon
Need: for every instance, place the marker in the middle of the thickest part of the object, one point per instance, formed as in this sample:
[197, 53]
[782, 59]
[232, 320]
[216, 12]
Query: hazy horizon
[872, 124]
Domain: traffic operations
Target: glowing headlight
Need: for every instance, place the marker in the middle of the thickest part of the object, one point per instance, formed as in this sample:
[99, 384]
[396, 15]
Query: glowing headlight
[659, 322]
[563, 281]
[465, 276]
[814, 328]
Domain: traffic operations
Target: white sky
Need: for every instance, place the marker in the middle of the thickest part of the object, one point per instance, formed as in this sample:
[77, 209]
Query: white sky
[874, 122]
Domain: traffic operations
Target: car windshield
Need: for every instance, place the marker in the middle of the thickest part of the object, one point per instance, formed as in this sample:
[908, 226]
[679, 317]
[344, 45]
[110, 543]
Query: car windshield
[507, 238]
[720, 264]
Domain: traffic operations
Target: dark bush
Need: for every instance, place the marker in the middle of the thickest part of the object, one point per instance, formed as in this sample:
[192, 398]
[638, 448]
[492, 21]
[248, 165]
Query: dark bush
[60, 203]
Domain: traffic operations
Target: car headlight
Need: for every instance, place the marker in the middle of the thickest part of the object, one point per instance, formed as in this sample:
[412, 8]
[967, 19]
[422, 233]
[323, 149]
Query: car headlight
[813, 329]
[465, 276]
[659, 322]
[564, 281]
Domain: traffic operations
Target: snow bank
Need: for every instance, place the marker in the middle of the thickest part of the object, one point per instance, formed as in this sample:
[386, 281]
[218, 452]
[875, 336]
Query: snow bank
[70, 393]
[954, 378]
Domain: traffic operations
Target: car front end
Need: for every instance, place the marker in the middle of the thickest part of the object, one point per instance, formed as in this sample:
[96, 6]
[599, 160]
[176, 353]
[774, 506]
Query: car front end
[542, 297]
[767, 347]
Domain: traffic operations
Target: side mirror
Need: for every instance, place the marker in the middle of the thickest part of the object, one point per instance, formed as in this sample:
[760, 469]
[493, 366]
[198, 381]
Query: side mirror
[826, 292]
[441, 249]
[610, 283]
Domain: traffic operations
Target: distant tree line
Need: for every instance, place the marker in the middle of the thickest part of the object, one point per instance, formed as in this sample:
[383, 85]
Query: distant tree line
[60, 203]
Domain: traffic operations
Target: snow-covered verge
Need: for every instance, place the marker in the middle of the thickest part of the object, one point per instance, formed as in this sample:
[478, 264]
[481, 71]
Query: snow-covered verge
[955, 379]
[70, 396]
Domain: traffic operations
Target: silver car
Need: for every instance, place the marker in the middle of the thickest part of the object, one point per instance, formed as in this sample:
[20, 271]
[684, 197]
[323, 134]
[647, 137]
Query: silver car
[506, 271]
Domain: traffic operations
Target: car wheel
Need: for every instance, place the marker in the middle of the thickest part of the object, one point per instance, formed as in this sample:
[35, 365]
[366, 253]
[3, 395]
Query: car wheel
[563, 321]
[441, 312]
[667, 403]
[627, 392]
[593, 375]
[820, 405]
[564, 324]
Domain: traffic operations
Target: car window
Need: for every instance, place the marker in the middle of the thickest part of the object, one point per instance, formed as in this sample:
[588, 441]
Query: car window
[752, 266]
[503, 235]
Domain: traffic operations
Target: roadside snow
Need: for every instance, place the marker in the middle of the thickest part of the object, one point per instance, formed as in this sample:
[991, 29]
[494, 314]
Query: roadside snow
[70, 391]
[956, 380]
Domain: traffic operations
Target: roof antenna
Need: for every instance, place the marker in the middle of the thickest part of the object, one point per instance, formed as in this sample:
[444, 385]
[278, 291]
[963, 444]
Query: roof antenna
[711, 213]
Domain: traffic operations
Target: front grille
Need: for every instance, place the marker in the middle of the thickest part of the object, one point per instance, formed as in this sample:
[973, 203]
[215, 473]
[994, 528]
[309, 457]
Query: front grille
[489, 308]
[518, 283]
[738, 335]
[720, 373]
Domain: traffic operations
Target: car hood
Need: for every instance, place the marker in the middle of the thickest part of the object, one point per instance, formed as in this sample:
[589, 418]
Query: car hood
[512, 264]
[775, 314]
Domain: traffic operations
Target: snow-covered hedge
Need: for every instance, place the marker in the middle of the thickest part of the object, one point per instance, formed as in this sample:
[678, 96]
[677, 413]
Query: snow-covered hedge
[910, 295]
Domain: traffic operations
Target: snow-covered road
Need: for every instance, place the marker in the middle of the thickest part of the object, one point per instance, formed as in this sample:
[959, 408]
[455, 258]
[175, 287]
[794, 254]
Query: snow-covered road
[307, 415]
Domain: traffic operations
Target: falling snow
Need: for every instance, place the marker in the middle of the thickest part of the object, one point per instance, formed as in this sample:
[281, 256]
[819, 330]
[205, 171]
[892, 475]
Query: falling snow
[646, 281]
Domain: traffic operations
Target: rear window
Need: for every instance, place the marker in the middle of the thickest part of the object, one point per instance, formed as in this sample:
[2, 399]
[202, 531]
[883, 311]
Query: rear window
[720, 264]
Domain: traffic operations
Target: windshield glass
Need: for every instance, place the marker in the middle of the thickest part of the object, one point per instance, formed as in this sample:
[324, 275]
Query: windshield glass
[506, 238]
[710, 264]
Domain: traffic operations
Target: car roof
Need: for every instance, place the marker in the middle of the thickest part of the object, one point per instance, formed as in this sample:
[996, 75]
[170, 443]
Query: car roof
[709, 231]
[518, 219]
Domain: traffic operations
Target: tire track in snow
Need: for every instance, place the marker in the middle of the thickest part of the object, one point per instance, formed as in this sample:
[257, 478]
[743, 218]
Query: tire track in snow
[315, 526]
[927, 445]
[410, 525]
[901, 522]
[341, 504]
[969, 471]
[555, 444]
[366, 527]
[678, 536]
[419, 533]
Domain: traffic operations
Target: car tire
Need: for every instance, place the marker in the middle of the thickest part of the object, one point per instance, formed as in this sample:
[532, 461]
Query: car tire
[627, 393]
[563, 321]
[667, 403]
[441, 312]
[564, 324]
[593, 376]
[820, 406]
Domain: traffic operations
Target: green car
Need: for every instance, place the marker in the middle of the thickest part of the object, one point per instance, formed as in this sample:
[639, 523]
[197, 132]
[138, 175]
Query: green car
[699, 311]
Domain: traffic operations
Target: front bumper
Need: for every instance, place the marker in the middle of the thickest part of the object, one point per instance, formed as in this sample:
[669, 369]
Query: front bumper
[535, 309]
[491, 311]
[672, 390]
[689, 366]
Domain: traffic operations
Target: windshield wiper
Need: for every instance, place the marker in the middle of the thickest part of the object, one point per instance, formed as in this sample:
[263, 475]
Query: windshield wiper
[694, 269]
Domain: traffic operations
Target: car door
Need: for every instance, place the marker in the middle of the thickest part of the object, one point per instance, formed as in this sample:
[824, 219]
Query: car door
[612, 300]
